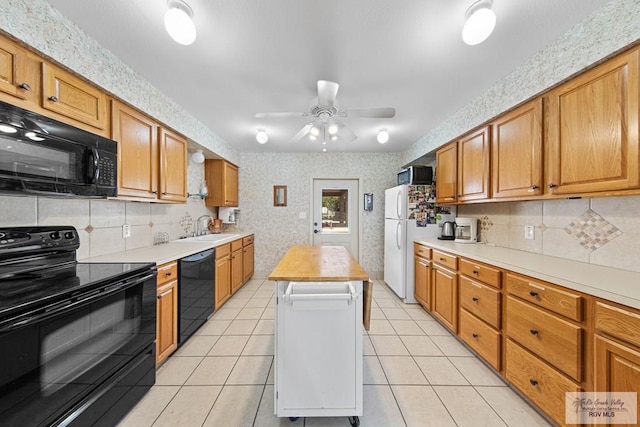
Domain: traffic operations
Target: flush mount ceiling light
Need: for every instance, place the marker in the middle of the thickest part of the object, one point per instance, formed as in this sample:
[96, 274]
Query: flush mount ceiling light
[178, 21]
[262, 136]
[197, 157]
[481, 21]
[383, 136]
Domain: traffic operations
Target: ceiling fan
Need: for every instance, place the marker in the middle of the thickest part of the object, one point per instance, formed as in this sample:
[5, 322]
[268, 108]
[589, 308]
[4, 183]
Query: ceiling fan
[325, 112]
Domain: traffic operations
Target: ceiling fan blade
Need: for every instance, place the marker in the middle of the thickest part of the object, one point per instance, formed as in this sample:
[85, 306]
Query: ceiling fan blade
[279, 115]
[345, 134]
[301, 133]
[372, 113]
[327, 92]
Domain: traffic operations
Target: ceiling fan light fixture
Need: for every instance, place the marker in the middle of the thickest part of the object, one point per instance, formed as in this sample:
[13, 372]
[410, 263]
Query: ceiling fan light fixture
[333, 129]
[481, 21]
[334, 137]
[262, 136]
[197, 157]
[324, 150]
[313, 137]
[314, 131]
[383, 136]
[178, 21]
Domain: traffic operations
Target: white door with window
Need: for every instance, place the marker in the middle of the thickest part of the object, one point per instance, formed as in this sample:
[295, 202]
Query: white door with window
[335, 213]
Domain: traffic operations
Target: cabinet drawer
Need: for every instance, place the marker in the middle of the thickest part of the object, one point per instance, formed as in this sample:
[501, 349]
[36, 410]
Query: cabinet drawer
[223, 251]
[553, 339]
[445, 259]
[563, 302]
[167, 272]
[618, 322]
[421, 251]
[481, 337]
[484, 273]
[247, 240]
[236, 245]
[480, 300]
[538, 381]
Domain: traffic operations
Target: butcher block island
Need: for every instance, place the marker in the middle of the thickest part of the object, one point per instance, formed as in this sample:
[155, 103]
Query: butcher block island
[318, 333]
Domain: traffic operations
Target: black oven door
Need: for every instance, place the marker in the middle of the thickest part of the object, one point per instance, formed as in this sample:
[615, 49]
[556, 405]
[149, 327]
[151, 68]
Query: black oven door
[55, 361]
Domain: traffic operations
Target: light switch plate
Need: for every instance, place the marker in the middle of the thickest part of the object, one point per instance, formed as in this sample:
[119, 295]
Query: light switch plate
[126, 231]
[528, 232]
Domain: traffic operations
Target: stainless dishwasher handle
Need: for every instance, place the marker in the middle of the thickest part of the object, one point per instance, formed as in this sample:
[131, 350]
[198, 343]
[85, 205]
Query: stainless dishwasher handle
[290, 297]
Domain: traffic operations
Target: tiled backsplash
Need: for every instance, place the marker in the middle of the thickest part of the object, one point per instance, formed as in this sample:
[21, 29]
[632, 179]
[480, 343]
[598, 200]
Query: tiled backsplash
[99, 222]
[603, 231]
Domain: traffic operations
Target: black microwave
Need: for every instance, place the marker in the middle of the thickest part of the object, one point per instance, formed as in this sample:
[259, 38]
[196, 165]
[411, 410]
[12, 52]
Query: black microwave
[415, 175]
[41, 156]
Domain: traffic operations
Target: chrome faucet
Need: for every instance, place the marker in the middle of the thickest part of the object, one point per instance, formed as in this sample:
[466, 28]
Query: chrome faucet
[200, 232]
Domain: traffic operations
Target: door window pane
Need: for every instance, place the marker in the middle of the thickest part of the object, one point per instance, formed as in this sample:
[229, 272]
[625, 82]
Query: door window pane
[335, 210]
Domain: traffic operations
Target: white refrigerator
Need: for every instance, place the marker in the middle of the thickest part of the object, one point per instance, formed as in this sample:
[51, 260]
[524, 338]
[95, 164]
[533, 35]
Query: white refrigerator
[410, 214]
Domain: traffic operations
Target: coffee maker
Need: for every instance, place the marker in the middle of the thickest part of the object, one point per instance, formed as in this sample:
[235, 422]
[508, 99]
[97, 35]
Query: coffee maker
[466, 230]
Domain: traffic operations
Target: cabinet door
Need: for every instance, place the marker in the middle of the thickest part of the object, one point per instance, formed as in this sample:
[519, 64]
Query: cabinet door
[617, 367]
[247, 262]
[236, 270]
[473, 166]
[173, 166]
[231, 184]
[136, 136]
[516, 152]
[593, 129]
[223, 280]
[447, 173]
[222, 179]
[167, 321]
[66, 94]
[12, 60]
[445, 296]
[422, 281]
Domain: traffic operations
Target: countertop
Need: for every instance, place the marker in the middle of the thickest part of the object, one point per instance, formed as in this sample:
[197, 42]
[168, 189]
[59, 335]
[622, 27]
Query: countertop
[318, 263]
[615, 285]
[165, 252]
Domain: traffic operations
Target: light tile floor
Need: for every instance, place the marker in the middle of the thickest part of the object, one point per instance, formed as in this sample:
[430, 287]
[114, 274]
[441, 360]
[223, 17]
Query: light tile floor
[415, 373]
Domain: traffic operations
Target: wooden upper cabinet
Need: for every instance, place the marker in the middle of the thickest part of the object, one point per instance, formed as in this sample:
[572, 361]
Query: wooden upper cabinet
[173, 161]
[13, 72]
[136, 136]
[447, 173]
[473, 165]
[516, 152]
[222, 180]
[68, 95]
[592, 129]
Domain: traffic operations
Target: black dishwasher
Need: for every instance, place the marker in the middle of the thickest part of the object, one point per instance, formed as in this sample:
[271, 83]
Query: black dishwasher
[195, 292]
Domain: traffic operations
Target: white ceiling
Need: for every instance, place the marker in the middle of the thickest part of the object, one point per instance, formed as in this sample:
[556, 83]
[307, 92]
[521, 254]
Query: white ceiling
[255, 56]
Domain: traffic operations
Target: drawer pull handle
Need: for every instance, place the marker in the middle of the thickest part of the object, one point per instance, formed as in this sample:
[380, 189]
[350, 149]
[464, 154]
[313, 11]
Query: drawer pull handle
[533, 382]
[53, 98]
[168, 274]
[533, 331]
[442, 259]
[475, 336]
[533, 293]
[475, 272]
[475, 299]
[25, 86]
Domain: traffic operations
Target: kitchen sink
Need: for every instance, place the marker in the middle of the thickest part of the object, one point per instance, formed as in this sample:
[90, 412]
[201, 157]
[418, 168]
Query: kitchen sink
[209, 238]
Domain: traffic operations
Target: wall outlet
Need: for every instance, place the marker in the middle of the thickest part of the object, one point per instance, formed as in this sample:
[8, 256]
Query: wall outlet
[126, 231]
[528, 232]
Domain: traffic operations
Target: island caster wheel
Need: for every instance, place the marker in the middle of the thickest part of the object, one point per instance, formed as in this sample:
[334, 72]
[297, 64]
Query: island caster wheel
[293, 418]
[354, 421]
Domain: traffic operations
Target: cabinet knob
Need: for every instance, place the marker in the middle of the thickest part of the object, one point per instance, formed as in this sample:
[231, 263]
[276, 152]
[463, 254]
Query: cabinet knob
[474, 335]
[475, 272]
[154, 192]
[168, 274]
[475, 299]
[53, 98]
[533, 382]
[25, 86]
[552, 185]
[533, 331]
[533, 293]
[442, 259]
[164, 193]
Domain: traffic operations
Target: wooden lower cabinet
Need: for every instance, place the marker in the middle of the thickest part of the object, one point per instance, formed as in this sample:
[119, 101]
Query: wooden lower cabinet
[422, 278]
[445, 296]
[484, 339]
[167, 311]
[237, 277]
[222, 275]
[540, 382]
[247, 259]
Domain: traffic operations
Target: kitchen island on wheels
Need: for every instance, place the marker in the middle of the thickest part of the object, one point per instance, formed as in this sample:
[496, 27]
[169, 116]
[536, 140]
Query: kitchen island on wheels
[318, 333]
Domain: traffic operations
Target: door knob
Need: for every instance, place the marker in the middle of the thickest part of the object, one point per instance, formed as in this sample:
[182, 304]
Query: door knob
[316, 231]
[315, 223]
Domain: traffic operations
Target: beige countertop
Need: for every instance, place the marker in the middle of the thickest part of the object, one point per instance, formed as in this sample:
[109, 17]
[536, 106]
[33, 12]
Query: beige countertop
[318, 263]
[166, 252]
[615, 285]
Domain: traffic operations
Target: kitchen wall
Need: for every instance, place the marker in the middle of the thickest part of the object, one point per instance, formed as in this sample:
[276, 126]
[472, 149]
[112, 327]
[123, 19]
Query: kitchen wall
[603, 231]
[278, 228]
[99, 222]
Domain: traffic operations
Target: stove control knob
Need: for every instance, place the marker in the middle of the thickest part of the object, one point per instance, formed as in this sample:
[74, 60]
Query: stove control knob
[69, 235]
[55, 235]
